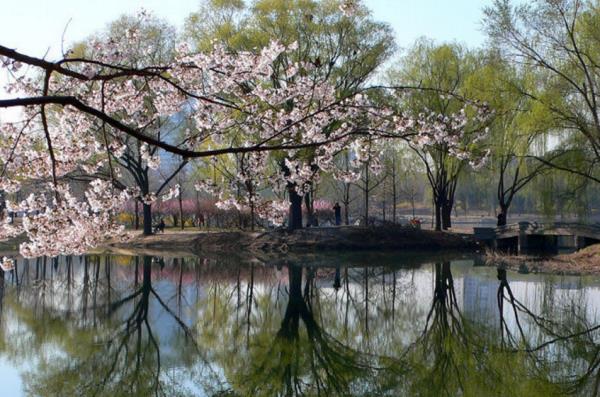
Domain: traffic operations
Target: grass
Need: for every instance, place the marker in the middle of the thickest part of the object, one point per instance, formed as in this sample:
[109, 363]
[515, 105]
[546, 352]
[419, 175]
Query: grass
[583, 262]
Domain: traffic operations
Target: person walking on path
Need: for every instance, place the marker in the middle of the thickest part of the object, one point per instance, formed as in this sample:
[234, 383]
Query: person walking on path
[338, 214]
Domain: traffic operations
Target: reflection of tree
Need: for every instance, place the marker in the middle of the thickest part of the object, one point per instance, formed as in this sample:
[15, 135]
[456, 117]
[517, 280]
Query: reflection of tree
[443, 354]
[126, 357]
[288, 331]
[567, 347]
[444, 312]
[119, 355]
[455, 356]
[558, 348]
[306, 360]
[505, 294]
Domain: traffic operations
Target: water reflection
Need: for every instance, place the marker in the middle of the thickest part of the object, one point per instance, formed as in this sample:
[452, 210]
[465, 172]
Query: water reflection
[114, 325]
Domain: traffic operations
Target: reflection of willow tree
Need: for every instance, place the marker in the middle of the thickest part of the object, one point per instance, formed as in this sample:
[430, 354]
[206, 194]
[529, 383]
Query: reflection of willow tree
[121, 356]
[306, 360]
[444, 310]
[128, 350]
[455, 356]
[571, 343]
[583, 348]
[441, 357]
[518, 309]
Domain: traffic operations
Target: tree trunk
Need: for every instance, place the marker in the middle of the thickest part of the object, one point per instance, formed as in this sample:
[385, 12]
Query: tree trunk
[295, 214]
[367, 191]
[239, 213]
[446, 214]
[394, 193]
[137, 216]
[310, 213]
[503, 215]
[346, 202]
[383, 201]
[438, 216]
[147, 213]
[346, 213]
[366, 208]
[181, 210]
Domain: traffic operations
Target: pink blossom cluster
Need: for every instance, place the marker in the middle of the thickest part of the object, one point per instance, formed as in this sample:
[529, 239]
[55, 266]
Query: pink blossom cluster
[275, 211]
[81, 114]
[58, 223]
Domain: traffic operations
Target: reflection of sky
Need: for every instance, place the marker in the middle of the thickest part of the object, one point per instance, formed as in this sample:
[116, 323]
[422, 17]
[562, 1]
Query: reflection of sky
[480, 303]
[342, 314]
[10, 379]
[164, 325]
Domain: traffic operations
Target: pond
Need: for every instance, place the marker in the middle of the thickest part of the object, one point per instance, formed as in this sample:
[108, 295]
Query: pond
[341, 324]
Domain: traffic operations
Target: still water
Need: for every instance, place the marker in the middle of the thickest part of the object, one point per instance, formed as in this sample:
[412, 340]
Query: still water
[360, 324]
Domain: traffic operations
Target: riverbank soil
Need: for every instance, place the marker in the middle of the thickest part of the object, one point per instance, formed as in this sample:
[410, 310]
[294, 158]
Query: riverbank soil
[304, 240]
[583, 262]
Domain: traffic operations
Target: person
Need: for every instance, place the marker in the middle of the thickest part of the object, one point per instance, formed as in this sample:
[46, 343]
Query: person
[160, 227]
[338, 214]
[337, 280]
[415, 223]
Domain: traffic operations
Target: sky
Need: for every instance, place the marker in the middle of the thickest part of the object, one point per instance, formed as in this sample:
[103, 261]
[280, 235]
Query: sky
[41, 28]
[36, 26]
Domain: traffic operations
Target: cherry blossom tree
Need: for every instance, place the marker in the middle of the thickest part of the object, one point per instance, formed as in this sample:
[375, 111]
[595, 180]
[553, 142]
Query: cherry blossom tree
[78, 112]
[147, 41]
[339, 39]
[228, 97]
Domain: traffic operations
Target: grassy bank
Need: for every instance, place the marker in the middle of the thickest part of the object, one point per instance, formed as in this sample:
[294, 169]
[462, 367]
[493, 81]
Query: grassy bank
[582, 262]
[351, 238]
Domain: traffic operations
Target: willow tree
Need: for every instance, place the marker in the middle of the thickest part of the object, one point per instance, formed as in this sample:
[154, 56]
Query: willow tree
[439, 74]
[516, 130]
[559, 41]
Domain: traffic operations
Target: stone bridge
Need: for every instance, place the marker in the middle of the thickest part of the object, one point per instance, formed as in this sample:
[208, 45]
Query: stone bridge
[552, 237]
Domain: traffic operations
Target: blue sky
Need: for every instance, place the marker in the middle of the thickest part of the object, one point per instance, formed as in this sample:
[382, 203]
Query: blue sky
[441, 20]
[33, 26]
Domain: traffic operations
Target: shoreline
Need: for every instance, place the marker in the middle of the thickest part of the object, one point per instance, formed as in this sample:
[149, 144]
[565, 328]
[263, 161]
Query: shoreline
[580, 263]
[320, 239]
[284, 245]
